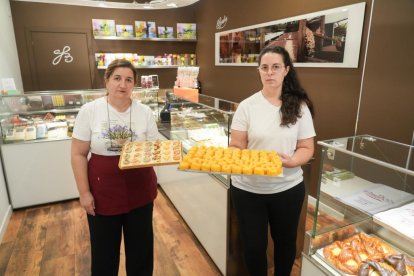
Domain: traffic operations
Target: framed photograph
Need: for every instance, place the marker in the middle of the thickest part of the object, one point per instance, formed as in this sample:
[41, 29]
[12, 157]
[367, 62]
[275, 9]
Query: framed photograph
[328, 38]
[103, 27]
[141, 29]
[125, 30]
[186, 30]
[166, 32]
[152, 29]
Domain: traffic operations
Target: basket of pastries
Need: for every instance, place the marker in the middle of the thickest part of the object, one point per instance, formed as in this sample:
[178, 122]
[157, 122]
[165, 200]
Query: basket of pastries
[365, 255]
[232, 161]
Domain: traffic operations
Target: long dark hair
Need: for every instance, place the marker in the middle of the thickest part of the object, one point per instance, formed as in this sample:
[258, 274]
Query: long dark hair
[293, 95]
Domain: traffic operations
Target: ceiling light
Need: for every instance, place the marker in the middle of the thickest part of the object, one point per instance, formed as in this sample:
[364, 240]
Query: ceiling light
[172, 5]
[147, 7]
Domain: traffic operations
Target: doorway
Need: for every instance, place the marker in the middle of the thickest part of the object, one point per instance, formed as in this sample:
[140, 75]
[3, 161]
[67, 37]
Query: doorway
[59, 60]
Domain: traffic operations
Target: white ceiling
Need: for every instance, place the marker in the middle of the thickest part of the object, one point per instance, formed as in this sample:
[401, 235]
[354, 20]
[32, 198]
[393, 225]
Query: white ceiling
[122, 4]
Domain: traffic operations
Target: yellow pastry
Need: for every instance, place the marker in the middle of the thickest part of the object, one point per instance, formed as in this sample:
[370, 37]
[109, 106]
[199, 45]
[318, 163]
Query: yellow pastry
[247, 170]
[205, 166]
[259, 171]
[215, 167]
[236, 169]
[226, 168]
[195, 166]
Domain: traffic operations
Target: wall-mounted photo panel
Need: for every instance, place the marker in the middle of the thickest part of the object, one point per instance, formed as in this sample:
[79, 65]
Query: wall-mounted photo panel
[328, 38]
[141, 29]
[125, 30]
[165, 32]
[103, 27]
[186, 30]
[152, 29]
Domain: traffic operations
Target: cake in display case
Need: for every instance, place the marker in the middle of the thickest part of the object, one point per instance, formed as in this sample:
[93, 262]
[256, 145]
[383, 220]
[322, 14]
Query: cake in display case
[363, 219]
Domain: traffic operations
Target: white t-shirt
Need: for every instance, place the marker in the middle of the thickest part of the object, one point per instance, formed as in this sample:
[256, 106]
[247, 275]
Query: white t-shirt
[92, 125]
[262, 120]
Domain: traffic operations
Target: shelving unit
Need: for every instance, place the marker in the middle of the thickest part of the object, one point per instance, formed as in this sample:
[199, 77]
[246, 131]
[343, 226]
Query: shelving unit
[147, 67]
[144, 39]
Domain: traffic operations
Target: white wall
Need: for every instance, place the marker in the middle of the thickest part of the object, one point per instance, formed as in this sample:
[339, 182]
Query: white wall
[9, 61]
[9, 68]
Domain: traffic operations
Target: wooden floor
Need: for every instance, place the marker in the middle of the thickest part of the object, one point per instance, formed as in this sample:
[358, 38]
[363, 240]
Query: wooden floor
[53, 240]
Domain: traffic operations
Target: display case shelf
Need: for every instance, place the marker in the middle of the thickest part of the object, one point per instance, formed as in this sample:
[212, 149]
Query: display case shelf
[48, 115]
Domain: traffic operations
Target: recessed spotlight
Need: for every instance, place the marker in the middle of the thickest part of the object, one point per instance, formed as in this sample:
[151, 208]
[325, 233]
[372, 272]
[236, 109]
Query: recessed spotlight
[172, 5]
[147, 7]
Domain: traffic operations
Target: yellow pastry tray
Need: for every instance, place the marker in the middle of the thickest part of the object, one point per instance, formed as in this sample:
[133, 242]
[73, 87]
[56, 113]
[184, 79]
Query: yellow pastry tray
[235, 174]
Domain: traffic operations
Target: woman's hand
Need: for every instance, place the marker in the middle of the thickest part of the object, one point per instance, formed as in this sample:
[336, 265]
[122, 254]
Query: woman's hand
[303, 153]
[287, 161]
[88, 203]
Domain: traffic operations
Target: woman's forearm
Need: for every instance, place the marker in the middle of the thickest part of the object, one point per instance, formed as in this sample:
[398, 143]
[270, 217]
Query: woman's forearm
[80, 170]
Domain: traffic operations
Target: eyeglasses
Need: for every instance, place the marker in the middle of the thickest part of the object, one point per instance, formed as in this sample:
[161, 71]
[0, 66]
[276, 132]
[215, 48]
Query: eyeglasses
[275, 68]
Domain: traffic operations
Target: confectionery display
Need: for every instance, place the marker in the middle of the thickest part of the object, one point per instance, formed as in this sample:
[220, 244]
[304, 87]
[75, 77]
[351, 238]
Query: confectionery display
[232, 161]
[139, 154]
[392, 265]
[362, 253]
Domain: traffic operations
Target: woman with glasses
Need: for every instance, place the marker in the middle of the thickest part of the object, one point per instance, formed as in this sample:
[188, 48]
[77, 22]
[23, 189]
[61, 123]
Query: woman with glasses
[279, 118]
[116, 202]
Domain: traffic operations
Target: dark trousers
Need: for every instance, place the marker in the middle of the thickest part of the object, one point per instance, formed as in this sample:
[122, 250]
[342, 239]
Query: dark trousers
[254, 213]
[106, 235]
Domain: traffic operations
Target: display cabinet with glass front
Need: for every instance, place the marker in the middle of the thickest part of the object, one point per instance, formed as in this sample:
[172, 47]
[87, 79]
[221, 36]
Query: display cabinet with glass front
[35, 149]
[363, 217]
[202, 122]
[51, 115]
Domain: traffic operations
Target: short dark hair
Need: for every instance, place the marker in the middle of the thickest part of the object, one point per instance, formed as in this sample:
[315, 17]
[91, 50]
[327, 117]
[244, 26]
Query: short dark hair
[117, 63]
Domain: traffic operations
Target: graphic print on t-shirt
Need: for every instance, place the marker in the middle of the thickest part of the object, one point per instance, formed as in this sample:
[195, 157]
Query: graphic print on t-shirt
[116, 135]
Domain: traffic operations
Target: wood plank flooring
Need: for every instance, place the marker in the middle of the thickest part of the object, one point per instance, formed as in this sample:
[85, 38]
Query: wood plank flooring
[53, 239]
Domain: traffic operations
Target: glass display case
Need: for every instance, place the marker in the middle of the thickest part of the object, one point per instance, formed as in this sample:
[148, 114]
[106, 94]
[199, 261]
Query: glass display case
[363, 217]
[36, 145]
[202, 122]
[51, 115]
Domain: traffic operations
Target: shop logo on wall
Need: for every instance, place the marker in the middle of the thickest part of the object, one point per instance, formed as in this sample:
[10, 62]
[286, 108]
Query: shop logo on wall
[221, 22]
[64, 53]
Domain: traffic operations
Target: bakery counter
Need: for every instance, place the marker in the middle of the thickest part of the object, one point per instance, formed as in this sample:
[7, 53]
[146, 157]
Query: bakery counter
[201, 199]
[38, 173]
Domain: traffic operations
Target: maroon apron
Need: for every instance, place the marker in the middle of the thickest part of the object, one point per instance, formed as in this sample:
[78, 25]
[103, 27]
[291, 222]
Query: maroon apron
[119, 191]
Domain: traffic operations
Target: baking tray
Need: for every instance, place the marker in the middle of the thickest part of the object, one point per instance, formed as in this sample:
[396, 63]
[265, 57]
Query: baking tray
[141, 154]
[319, 252]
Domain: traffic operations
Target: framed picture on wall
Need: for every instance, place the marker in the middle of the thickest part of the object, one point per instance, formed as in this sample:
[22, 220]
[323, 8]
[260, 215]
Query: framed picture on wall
[152, 29]
[165, 32]
[328, 38]
[125, 30]
[103, 27]
[186, 30]
[141, 29]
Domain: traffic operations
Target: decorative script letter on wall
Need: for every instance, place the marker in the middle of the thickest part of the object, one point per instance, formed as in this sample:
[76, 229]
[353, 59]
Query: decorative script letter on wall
[64, 53]
[221, 22]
